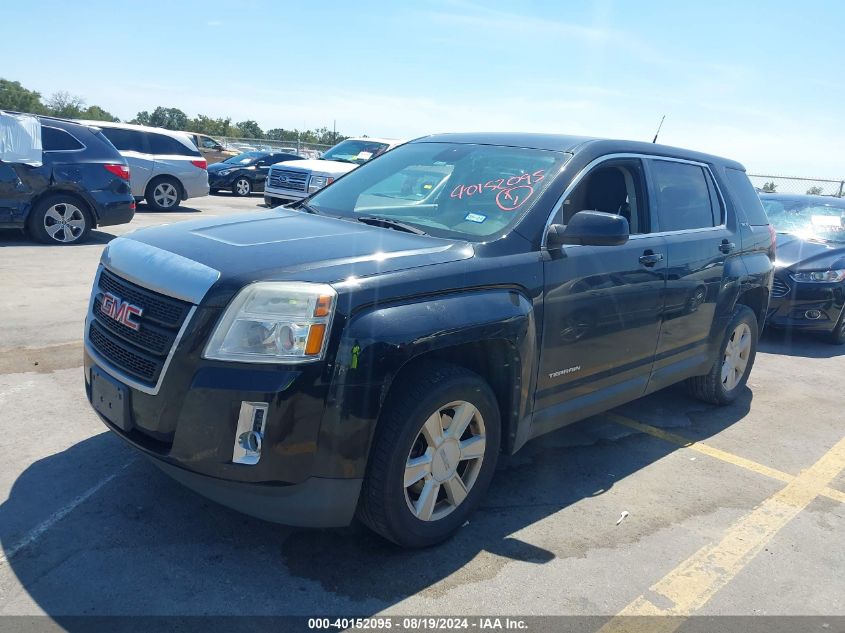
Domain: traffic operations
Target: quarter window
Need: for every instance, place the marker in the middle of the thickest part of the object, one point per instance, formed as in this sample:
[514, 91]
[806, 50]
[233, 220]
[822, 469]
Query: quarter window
[56, 140]
[161, 144]
[125, 140]
[683, 196]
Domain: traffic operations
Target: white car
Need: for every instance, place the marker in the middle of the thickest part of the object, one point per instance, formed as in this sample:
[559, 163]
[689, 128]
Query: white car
[296, 180]
[165, 167]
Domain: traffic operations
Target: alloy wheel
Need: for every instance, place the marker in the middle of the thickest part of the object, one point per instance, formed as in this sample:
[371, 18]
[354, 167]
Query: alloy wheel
[242, 187]
[736, 356]
[64, 222]
[165, 195]
[444, 461]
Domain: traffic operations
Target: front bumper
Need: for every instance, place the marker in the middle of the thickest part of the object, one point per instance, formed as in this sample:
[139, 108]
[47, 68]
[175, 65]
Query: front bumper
[221, 182]
[284, 194]
[790, 311]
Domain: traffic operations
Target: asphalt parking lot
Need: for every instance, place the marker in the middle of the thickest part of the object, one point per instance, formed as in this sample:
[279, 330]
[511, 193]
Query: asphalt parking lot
[727, 511]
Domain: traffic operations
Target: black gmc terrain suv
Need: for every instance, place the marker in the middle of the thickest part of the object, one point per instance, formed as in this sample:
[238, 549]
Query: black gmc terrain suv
[371, 352]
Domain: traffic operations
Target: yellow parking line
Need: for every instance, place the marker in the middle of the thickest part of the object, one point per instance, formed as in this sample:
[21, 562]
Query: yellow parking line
[725, 456]
[691, 584]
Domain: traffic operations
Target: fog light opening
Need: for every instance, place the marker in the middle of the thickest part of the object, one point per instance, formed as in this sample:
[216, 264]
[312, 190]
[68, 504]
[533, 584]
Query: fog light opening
[249, 434]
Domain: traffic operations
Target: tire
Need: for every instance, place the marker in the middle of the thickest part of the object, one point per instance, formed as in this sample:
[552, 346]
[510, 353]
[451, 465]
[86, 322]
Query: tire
[724, 382]
[213, 192]
[60, 219]
[164, 193]
[429, 396]
[837, 336]
[242, 187]
[272, 203]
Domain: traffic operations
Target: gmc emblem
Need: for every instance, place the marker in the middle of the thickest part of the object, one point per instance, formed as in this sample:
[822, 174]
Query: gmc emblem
[121, 311]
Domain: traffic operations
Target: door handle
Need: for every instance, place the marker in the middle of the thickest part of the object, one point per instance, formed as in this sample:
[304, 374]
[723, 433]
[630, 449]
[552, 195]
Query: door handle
[650, 258]
[726, 246]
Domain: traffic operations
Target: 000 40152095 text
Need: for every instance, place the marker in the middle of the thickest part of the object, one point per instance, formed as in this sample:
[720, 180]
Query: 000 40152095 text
[511, 193]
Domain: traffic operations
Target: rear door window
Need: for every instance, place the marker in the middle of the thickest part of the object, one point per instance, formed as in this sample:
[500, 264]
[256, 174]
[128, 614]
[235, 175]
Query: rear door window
[56, 140]
[126, 140]
[167, 145]
[743, 193]
[683, 196]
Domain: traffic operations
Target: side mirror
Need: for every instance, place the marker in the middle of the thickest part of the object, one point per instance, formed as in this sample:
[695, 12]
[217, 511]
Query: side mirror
[590, 228]
[218, 148]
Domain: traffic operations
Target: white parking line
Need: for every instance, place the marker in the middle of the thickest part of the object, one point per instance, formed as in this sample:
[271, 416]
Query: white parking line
[57, 516]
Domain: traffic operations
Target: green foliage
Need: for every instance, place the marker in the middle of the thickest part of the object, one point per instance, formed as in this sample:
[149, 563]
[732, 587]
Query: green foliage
[814, 191]
[770, 187]
[250, 129]
[13, 96]
[168, 118]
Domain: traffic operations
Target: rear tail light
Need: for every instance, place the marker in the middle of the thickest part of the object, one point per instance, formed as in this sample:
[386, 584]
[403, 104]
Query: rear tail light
[200, 163]
[121, 171]
[132, 205]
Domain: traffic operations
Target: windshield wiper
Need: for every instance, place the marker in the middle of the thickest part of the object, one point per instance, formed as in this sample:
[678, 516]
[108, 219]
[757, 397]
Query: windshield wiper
[340, 160]
[390, 224]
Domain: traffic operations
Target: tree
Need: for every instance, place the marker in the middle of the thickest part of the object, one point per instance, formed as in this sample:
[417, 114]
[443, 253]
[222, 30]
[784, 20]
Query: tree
[13, 96]
[814, 191]
[770, 187]
[66, 105]
[206, 125]
[250, 129]
[96, 113]
[281, 134]
[169, 118]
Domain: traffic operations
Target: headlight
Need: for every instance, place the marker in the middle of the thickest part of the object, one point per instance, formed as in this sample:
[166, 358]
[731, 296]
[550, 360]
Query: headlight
[820, 276]
[274, 322]
[225, 172]
[318, 182]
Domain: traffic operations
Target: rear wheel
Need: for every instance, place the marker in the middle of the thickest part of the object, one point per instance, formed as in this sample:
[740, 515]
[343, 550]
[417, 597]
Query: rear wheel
[433, 456]
[163, 194]
[242, 187]
[724, 382]
[60, 219]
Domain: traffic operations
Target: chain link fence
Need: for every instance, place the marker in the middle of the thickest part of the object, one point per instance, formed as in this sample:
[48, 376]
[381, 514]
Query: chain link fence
[309, 150]
[793, 184]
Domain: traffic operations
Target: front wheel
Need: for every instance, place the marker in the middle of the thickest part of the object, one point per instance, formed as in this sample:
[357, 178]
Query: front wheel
[724, 382]
[242, 187]
[433, 457]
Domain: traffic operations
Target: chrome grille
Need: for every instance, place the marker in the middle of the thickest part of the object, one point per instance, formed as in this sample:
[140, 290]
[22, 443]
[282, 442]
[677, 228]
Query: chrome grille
[140, 353]
[779, 288]
[287, 179]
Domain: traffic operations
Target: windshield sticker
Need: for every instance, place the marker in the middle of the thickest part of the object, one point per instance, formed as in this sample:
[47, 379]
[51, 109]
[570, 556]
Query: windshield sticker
[364, 155]
[511, 193]
[475, 217]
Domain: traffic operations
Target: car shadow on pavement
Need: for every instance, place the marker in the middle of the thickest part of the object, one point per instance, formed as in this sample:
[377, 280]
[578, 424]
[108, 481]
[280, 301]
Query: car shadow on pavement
[143, 207]
[802, 344]
[142, 544]
[18, 237]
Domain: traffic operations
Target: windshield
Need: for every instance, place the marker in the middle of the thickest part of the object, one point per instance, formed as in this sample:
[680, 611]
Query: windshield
[449, 190]
[358, 152]
[245, 158]
[808, 219]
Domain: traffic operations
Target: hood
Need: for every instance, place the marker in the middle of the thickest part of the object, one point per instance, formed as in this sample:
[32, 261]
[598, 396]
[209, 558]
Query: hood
[289, 245]
[797, 254]
[329, 167]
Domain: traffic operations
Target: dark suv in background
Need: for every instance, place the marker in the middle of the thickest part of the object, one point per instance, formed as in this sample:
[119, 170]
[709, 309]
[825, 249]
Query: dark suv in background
[372, 351]
[83, 183]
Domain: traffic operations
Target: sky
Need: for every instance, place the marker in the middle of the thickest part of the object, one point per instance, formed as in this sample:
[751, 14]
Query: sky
[760, 82]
